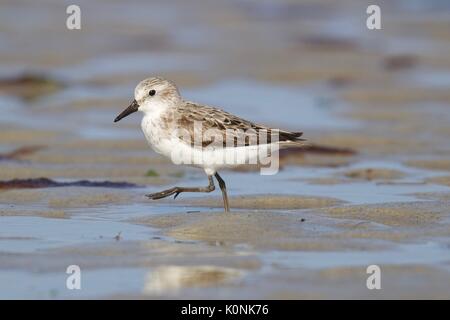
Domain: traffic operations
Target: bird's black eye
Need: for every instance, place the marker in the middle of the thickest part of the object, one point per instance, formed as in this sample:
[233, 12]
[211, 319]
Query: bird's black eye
[151, 93]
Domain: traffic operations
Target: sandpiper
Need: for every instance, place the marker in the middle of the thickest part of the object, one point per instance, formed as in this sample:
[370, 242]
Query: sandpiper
[200, 135]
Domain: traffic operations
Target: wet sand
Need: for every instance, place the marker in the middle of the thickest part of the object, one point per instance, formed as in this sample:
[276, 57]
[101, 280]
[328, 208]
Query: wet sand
[308, 232]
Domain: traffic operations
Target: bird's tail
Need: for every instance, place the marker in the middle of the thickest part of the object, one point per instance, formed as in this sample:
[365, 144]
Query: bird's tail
[291, 139]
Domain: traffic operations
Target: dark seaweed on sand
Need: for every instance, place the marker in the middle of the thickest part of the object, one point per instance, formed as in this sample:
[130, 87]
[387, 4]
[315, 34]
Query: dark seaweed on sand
[48, 183]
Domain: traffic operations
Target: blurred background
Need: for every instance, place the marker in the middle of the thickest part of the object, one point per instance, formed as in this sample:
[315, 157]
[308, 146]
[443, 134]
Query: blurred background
[374, 104]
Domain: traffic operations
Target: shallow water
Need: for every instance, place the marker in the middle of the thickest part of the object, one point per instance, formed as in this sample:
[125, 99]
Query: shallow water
[422, 253]
[95, 283]
[55, 233]
[306, 108]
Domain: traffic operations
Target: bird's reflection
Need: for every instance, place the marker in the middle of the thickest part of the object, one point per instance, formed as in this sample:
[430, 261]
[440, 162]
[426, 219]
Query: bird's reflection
[171, 279]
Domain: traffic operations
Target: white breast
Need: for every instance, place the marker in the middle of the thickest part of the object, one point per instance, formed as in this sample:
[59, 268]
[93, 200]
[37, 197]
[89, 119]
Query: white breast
[156, 135]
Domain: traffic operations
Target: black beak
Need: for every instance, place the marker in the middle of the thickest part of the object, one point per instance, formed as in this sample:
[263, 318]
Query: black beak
[132, 108]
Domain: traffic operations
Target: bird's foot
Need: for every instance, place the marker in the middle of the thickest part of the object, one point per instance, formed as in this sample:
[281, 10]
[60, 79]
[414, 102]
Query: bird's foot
[164, 194]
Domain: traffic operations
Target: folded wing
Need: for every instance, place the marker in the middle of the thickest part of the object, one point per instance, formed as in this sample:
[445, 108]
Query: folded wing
[219, 128]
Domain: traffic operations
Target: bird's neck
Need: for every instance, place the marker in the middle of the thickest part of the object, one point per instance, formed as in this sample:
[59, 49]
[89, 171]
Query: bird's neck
[158, 109]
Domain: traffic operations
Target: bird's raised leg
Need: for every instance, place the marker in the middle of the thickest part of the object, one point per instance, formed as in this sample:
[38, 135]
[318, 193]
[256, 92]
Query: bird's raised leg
[177, 190]
[223, 187]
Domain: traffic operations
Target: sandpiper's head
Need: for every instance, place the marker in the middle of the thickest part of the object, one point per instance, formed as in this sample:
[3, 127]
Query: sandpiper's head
[151, 93]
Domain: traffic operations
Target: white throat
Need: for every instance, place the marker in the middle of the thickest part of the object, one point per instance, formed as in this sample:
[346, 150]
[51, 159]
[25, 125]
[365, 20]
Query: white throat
[153, 126]
[155, 109]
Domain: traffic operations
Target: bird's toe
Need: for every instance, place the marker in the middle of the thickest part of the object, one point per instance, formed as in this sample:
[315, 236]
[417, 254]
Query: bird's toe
[154, 196]
[162, 194]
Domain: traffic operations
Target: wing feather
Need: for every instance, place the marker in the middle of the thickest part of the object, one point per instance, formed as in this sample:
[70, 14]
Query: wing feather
[217, 126]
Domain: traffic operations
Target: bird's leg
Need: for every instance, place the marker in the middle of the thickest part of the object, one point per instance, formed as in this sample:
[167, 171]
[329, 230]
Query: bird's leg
[223, 187]
[177, 190]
